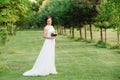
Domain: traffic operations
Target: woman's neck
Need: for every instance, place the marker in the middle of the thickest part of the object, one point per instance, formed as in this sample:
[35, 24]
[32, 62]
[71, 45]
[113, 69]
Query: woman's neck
[49, 25]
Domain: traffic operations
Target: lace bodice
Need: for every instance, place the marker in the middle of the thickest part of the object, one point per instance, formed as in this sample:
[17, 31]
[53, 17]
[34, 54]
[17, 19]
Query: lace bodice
[50, 30]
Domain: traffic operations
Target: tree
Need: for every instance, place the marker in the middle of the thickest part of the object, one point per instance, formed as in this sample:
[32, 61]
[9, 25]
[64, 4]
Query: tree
[103, 18]
[115, 18]
[50, 8]
[29, 19]
[10, 12]
[82, 12]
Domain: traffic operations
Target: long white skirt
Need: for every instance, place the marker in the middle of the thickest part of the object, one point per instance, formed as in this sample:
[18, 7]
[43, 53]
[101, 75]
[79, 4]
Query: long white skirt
[45, 63]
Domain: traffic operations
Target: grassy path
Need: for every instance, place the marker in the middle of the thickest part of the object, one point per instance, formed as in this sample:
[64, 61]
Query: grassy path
[74, 60]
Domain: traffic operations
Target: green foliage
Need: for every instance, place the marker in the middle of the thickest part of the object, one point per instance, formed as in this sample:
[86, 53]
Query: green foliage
[68, 12]
[23, 14]
[81, 12]
[104, 24]
[4, 2]
[90, 41]
[11, 11]
[115, 46]
[32, 17]
[105, 13]
[108, 12]
[102, 44]
[78, 39]
[3, 35]
[115, 18]
[56, 9]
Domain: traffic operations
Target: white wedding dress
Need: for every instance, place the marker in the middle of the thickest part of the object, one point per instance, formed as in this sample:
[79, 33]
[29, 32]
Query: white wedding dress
[45, 63]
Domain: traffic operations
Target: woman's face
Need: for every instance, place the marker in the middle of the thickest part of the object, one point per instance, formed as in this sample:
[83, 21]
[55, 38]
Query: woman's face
[49, 21]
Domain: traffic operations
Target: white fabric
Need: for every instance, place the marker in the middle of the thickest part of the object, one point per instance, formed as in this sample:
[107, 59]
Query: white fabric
[45, 63]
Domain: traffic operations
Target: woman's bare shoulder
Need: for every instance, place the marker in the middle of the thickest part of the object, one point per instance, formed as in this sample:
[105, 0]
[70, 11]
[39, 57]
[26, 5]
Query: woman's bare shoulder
[46, 28]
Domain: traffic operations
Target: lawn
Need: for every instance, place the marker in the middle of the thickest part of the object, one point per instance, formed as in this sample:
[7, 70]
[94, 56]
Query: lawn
[74, 60]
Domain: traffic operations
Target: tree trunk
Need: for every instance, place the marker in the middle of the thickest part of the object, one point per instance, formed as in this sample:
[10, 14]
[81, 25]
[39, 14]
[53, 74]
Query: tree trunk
[64, 31]
[101, 34]
[4, 35]
[99, 2]
[85, 32]
[80, 32]
[58, 29]
[72, 32]
[105, 35]
[62, 28]
[118, 37]
[91, 35]
[12, 29]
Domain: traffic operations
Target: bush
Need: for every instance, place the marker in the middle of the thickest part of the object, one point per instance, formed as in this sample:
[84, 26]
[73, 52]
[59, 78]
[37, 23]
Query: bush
[101, 44]
[3, 35]
[115, 47]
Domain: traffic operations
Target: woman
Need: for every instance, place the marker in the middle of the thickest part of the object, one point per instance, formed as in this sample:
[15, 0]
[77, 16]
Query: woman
[45, 63]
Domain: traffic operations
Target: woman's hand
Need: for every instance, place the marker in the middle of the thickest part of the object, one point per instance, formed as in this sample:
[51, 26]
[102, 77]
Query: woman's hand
[45, 35]
[53, 37]
[53, 34]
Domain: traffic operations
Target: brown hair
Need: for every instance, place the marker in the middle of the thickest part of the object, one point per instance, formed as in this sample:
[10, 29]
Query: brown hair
[47, 19]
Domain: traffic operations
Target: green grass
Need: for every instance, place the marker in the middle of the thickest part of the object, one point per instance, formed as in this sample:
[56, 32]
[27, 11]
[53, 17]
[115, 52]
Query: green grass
[75, 60]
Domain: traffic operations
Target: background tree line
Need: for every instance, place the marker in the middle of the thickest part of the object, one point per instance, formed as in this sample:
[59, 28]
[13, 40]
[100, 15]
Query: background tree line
[71, 14]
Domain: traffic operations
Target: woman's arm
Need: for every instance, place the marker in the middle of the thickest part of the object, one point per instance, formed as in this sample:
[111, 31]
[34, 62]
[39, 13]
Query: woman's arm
[45, 34]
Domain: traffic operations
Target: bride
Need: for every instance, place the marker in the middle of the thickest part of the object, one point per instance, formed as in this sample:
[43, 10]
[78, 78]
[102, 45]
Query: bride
[45, 62]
